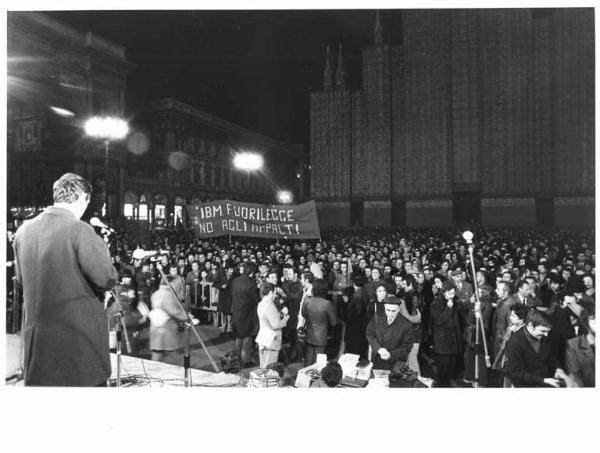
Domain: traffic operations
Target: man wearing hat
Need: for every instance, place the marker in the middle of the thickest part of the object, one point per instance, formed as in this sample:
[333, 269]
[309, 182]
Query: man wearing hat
[390, 335]
[464, 290]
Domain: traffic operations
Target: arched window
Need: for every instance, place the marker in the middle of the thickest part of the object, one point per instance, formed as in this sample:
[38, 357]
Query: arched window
[160, 207]
[129, 202]
[178, 209]
[143, 210]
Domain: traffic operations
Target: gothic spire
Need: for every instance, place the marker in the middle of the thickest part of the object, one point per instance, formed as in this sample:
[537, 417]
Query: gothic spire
[340, 74]
[327, 74]
[378, 29]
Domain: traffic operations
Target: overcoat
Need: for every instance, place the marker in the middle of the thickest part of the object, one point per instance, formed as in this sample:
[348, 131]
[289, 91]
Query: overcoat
[446, 326]
[397, 337]
[164, 333]
[244, 300]
[63, 266]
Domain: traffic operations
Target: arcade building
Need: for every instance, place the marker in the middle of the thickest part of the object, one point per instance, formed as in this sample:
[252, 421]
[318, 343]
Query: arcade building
[173, 155]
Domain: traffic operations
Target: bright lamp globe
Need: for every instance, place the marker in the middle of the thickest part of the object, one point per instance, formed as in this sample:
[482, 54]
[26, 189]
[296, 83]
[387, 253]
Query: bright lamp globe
[284, 196]
[248, 161]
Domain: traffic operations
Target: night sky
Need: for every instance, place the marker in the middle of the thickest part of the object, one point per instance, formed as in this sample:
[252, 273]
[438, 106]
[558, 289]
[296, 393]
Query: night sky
[252, 68]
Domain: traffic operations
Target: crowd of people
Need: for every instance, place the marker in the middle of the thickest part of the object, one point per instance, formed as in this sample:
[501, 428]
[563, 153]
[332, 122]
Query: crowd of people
[527, 317]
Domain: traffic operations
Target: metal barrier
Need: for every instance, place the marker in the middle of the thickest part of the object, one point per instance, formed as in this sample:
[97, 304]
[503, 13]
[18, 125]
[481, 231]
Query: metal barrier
[205, 296]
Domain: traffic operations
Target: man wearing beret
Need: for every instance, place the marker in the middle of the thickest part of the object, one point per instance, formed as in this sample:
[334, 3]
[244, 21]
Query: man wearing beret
[390, 335]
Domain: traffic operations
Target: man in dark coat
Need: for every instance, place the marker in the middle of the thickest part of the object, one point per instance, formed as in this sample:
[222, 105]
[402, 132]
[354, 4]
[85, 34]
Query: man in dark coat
[244, 317]
[319, 314]
[529, 359]
[390, 335]
[446, 331]
[63, 265]
[357, 319]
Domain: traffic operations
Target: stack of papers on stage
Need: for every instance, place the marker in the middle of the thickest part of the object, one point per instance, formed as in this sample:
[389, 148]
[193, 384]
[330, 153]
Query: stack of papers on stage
[308, 374]
[352, 369]
[380, 379]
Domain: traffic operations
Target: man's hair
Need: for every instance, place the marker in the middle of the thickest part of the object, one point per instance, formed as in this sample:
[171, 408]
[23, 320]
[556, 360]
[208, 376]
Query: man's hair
[320, 288]
[359, 279]
[69, 187]
[520, 310]
[589, 311]
[309, 276]
[410, 280]
[266, 288]
[505, 284]
[538, 318]
[246, 268]
[522, 283]
[332, 374]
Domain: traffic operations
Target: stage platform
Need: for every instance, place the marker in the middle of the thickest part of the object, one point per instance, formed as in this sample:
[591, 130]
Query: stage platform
[135, 371]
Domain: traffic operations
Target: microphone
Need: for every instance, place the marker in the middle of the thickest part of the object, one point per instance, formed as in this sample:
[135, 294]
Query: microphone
[95, 221]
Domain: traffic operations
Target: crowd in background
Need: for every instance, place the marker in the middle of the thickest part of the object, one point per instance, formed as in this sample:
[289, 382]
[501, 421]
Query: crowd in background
[387, 295]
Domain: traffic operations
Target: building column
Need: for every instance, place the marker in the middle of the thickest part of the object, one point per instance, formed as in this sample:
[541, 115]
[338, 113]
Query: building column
[121, 197]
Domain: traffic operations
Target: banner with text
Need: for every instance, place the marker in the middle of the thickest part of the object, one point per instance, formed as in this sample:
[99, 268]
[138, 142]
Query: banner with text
[238, 218]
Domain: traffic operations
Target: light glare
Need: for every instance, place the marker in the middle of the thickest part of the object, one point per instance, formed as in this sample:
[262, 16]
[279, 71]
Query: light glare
[284, 196]
[61, 112]
[106, 127]
[248, 161]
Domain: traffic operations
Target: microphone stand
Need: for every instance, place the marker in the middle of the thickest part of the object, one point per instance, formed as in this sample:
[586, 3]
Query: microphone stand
[118, 316]
[120, 324]
[479, 326]
[188, 325]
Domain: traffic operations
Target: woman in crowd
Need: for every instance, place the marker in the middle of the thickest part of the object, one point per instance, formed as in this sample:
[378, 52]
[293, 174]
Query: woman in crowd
[270, 324]
[376, 303]
[224, 303]
[166, 312]
[518, 312]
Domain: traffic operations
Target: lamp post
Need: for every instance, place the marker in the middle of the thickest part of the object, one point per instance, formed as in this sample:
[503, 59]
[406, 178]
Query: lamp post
[107, 128]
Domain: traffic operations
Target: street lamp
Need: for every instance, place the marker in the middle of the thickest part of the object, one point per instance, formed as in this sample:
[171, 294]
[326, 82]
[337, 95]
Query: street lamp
[284, 197]
[249, 162]
[107, 128]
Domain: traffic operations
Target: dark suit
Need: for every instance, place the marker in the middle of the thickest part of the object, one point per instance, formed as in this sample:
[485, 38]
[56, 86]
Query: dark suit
[524, 366]
[62, 265]
[581, 361]
[244, 301]
[356, 324]
[319, 314]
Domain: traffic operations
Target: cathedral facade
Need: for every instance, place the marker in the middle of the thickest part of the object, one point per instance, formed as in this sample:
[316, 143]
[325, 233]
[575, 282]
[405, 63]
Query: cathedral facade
[478, 117]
